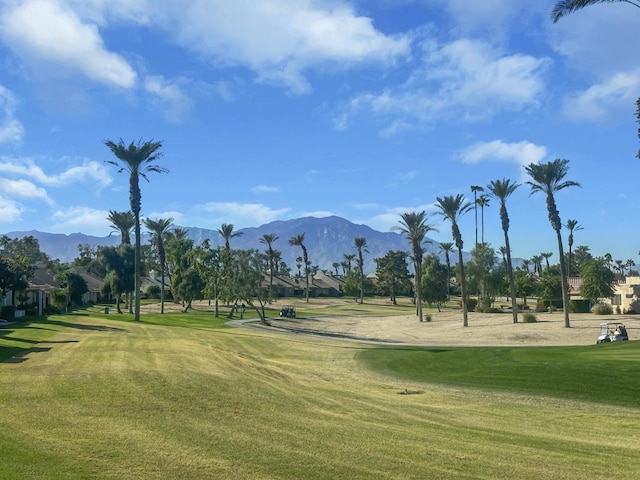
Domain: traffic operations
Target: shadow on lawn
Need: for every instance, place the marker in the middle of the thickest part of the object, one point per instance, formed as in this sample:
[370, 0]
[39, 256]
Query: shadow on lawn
[83, 326]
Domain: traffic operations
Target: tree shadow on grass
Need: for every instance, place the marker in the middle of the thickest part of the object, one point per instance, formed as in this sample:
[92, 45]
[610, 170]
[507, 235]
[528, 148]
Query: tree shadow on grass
[18, 354]
[82, 326]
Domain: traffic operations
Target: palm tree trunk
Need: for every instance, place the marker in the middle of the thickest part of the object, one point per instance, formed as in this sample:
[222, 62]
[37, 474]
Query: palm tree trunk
[512, 282]
[137, 269]
[418, 268]
[162, 288]
[463, 286]
[565, 284]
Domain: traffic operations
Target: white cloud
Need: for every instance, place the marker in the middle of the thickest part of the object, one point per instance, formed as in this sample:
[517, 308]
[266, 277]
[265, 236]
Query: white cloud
[239, 214]
[618, 91]
[23, 189]
[278, 39]
[89, 172]
[10, 211]
[519, 153]
[11, 130]
[465, 80]
[81, 219]
[49, 32]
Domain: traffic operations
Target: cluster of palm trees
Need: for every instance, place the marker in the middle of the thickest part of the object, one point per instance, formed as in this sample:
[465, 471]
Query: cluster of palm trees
[547, 178]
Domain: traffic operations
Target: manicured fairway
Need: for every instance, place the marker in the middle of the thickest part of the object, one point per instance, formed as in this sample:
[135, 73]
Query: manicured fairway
[182, 396]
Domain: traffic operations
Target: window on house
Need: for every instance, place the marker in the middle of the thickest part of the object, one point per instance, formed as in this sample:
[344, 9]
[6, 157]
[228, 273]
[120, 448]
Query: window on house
[616, 300]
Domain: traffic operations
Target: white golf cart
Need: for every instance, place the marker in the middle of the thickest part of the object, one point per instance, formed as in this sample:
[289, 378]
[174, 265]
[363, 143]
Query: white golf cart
[612, 332]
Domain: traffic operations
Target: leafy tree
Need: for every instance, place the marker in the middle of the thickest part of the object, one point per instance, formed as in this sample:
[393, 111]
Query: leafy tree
[189, 286]
[159, 229]
[73, 283]
[14, 274]
[597, 280]
[480, 269]
[178, 247]
[26, 247]
[524, 285]
[549, 287]
[548, 178]
[137, 160]
[298, 241]
[393, 274]
[247, 280]
[452, 208]
[435, 281]
[361, 245]
[501, 190]
[208, 263]
[414, 226]
[352, 284]
[119, 263]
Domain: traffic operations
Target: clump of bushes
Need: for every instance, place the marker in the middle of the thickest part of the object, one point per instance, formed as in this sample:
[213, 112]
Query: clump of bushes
[602, 309]
[472, 303]
[529, 318]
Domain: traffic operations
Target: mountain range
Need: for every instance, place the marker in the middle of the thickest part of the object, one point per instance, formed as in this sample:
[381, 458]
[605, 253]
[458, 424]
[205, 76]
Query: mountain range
[327, 240]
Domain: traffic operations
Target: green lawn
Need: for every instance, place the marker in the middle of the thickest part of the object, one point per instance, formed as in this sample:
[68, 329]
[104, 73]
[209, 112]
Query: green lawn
[96, 396]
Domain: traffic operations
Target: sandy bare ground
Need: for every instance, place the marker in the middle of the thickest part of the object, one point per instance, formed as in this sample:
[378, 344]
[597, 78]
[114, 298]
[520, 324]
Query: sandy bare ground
[445, 328]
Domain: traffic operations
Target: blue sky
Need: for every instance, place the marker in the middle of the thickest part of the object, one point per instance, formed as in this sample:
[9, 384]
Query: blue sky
[277, 109]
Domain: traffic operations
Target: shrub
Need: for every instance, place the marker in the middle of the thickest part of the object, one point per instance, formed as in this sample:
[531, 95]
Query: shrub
[602, 309]
[493, 310]
[8, 312]
[579, 306]
[471, 304]
[529, 318]
[427, 317]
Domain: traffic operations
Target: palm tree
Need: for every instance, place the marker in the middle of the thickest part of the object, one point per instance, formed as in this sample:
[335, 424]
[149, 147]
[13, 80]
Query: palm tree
[122, 222]
[268, 239]
[502, 189]
[361, 245]
[566, 7]
[572, 226]
[335, 266]
[452, 208]
[537, 264]
[546, 256]
[447, 248]
[548, 178]
[138, 160]
[475, 189]
[226, 230]
[298, 241]
[348, 258]
[483, 201]
[415, 227]
[159, 229]
[525, 264]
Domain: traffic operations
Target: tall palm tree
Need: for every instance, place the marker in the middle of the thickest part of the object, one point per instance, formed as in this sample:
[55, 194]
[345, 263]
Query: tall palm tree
[572, 226]
[226, 230]
[415, 227]
[298, 241]
[475, 189]
[137, 160]
[566, 7]
[482, 201]
[502, 189]
[525, 264]
[548, 178]
[361, 245]
[159, 229]
[546, 256]
[268, 239]
[123, 223]
[452, 208]
[447, 248]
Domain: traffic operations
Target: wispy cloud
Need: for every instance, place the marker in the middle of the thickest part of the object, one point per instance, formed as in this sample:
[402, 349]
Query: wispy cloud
[265, 189]
[466, 80]
[23, 189]
[169, 97]
[10, 211]
[11, 130]
[81, 219]
[241, 215]
[90, 172]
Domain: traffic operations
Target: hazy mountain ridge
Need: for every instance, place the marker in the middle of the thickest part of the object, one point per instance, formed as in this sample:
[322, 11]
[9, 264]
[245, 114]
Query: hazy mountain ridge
[327, 240]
